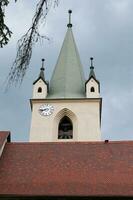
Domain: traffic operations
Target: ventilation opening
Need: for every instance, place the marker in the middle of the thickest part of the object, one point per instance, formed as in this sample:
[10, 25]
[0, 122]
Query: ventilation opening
[65, 130]
[39, 90]
[92, 89]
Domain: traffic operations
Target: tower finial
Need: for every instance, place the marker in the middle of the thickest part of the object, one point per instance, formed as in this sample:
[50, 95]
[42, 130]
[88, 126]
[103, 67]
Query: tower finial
[92, 73]
[41, 75]
[92, 67]
[69, 25]
[42, 68]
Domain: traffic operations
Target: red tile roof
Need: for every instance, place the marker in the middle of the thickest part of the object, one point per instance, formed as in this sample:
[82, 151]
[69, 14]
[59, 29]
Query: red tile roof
[4, 135]
[79, 169]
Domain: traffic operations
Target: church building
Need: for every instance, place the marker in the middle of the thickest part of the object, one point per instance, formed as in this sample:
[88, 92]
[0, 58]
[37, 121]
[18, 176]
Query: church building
[69, 108]
[65, 157]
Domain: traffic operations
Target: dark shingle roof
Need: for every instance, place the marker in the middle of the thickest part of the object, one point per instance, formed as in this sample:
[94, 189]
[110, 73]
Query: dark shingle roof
[68, 169]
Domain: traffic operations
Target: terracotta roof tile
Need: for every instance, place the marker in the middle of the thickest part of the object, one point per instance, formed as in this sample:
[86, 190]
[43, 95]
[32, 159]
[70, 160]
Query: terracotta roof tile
[68, 169]
[3, 136]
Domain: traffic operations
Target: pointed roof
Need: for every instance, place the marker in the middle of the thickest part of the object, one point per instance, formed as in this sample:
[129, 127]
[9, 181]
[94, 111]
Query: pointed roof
[68, 79]
[41, 74]
[92, 73]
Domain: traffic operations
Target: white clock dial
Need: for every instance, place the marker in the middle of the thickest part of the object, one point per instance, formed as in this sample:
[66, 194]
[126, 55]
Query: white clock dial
[46, 109]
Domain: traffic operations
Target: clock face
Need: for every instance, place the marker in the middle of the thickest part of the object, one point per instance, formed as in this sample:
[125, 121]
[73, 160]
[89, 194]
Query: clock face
[46, 109]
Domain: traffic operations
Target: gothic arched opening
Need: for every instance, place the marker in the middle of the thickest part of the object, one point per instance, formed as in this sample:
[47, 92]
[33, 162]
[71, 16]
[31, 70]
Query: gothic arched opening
[39, 90]
[65, 129]
[92, 89]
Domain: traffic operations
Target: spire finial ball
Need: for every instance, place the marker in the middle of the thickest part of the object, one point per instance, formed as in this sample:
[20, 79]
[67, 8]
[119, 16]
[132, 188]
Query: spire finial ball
[43, 59]
[91, 58]
[69, 11]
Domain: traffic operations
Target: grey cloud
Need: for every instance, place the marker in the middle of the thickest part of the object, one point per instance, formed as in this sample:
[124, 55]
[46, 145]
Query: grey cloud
[103, 29]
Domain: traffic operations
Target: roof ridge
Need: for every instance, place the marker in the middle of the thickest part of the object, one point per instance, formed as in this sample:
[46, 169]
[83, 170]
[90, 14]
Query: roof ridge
[73, 142]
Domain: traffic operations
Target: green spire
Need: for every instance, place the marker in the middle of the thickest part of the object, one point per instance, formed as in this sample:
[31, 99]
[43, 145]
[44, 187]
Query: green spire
[68, 79]
[92, 73]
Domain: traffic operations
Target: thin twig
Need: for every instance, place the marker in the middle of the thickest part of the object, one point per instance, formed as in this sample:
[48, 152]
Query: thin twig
[26, 43]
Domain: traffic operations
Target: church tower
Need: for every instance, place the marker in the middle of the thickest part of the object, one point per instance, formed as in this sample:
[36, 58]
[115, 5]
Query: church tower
[69, 108]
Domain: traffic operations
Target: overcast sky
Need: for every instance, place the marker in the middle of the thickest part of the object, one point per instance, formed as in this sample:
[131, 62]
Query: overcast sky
[102, 29]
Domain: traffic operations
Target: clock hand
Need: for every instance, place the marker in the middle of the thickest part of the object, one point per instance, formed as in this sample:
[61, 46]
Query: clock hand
[41, 109]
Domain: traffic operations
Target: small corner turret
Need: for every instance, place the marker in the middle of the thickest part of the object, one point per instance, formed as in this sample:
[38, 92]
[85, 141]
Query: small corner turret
[92, 85]
[40, 85]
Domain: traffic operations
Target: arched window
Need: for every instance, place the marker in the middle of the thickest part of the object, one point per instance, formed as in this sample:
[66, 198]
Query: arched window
[39, 90]
[65, 129]
[92, 89]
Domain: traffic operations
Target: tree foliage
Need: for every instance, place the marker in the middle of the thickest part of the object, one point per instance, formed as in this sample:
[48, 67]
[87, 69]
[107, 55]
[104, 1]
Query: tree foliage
[27, 41]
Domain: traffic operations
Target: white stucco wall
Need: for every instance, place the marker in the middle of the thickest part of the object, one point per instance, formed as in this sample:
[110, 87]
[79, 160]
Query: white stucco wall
[92, 83]
[41, 95]
[84, 113]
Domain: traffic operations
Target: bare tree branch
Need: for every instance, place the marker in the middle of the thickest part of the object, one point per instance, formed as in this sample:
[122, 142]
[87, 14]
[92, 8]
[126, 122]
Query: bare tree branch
[26, 43]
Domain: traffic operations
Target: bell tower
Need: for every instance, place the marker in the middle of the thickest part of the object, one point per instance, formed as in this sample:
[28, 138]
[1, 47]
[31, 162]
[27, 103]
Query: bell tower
[69, 108]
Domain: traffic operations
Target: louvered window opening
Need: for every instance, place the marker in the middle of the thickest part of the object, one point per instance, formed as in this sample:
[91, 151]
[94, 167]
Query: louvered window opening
[65, 130]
